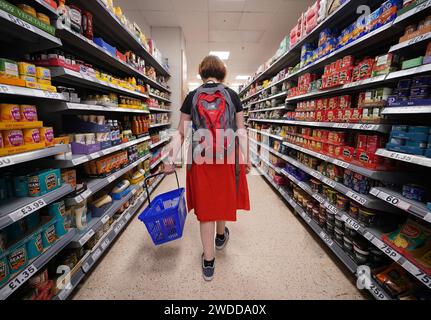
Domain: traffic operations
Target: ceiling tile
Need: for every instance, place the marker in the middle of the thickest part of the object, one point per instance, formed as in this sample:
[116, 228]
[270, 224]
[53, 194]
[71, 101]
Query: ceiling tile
[262, 5]
[226, 5]
[224, 20]
[190, 5]
[195, 27]
[160, 5]
[234, 36]
[161, 18]
[128, 4]
[255, 21]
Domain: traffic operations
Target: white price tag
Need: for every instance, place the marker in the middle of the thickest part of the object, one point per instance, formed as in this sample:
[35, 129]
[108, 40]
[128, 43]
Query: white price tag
[19, 22]
[6, 89]
[341, 125]
[51, 95]
[28, 209]
[105, 243]
[78, 199]
[18, 281]
[316, 175]
[128, 215]
[330, 182]
[96, 254]
[95, 155]
[394, 200]
[112, 178]
[427, 217]
[389, 252]
[6, 161]
[356, 197]
[351, 222]
[419, 39]
[86, 267]
[326, 238]
[86, 237]
[331, 208]
[401, 156]
[105, 219]
[86, 194]
[79, 160]
[369, 236]
[377, 293]
[302, 185]
[340, 163]
[307, 219]
[423, 6]
[318, 197]
[419, 274]
[118, 227]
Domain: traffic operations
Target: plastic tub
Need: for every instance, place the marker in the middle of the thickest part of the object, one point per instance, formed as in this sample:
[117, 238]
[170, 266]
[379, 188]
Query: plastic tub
[339, 235]
[348, 245]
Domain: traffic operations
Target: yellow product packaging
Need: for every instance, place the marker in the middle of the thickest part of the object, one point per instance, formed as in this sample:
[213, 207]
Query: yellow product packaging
[26, 69]
[32, 85]
[28, 9]
[45, 82]
[47, 136]
[27, 78]
[43, 73]
[47, 87]
[31, 136]
[9, 112]
[44, 18]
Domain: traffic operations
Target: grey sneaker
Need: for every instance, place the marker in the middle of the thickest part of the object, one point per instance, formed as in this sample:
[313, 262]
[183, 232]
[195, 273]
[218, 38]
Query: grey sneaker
[207, 272]
[220, 244]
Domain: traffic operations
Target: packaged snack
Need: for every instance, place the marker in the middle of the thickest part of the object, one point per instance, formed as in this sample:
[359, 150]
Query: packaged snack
[26, 69]
[10, 112]
[31, 136]
[44, 18]
[28, 112]
[395, 279]
[8, 69]
[13, 138]
[17, 257]
[47, 135]
[43, 73]
[49, 236]
[410, 236]
[87, 24]
[27, 9]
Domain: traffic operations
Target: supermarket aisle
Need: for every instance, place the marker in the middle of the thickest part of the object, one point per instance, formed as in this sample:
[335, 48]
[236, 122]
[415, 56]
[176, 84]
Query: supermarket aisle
[270, 256]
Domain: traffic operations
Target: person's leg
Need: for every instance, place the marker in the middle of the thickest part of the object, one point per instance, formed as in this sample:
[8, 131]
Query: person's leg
[207, 237]
[221, 227]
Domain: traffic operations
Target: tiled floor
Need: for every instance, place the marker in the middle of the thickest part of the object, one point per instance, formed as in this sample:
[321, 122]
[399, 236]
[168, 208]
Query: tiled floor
[271, 255]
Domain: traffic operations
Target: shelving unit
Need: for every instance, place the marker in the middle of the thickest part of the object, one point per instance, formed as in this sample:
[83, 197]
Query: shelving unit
[54, 104]
[90, 259]
[375, 289]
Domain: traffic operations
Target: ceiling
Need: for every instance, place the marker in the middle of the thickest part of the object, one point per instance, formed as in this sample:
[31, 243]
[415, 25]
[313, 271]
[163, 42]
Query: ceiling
[250, 29]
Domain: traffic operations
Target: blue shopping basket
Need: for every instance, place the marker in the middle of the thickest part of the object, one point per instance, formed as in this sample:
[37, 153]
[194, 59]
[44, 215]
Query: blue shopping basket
[165, 215]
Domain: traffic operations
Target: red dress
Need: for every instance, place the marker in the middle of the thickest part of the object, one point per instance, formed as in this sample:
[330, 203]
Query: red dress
[211, 191]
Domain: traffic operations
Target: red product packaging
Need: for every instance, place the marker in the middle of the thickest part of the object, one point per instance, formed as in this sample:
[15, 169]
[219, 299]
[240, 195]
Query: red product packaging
[361, 141]
[338, 151]
[348, 112]
[348, 62]
[345, 102]
[355, 74]
[327, 69]
[356, 115]
[87, 24]
[331, 115]
[321, 116]
[368, 159]
[348, 153]
[323, 135]
[345, 76]
[337, 137]
[366, 68]
[335, 79]
[333, 103]
[340, 115]
[373, 143]
[361, 99]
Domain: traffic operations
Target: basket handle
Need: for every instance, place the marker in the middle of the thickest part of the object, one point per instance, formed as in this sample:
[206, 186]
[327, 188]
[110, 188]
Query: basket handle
[153, 176]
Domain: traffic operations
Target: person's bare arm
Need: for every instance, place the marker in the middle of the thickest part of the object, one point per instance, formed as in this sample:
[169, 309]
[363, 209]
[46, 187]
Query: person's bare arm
[177, 141]
[243, 139]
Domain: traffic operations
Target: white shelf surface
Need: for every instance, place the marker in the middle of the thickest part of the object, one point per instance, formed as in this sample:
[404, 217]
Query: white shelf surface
[7, 161]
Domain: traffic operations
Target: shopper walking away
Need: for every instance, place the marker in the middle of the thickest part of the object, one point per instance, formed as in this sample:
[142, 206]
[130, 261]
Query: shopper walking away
[218, 161]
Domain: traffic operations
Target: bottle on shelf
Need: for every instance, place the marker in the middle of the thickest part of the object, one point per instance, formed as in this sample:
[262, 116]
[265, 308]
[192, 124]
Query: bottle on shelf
[135, 126]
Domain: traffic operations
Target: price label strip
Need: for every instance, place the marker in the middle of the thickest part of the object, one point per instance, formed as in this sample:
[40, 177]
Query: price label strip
[330, 182]
[17, 21]
[18, 281]
[112, 178]
[340, 163]
[86, 267]
[86, 237]
[356, 197]
[326, 238]
[86, 194]
[28, 209]
[351, 222]
[79, 160]
[105, 243]
[6, 89]
[377, 293]
[105, 219]
[391, 253]
[6, 161]
[395, 201]
[96, 254]
[419, 274]
[128, 215]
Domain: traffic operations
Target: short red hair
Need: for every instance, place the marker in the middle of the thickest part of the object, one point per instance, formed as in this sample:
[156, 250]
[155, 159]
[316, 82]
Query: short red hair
[212, 67]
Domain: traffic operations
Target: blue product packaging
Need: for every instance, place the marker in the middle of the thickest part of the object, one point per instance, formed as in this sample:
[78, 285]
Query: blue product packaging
[57, 210]
[21, 186]
[4, 271]
[428, 153]
[44, 182]
[35, 245]
[419, 129]
[16, 230]
[397, 141]
[413, 150]
[414, 192]
[33, 220]
[410, 136]
[49, 236]
[61, 227]
[400, 128]
[373, 20]
[17, 257]
[416, 144]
